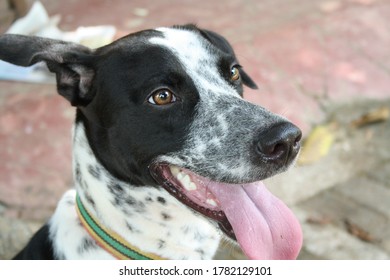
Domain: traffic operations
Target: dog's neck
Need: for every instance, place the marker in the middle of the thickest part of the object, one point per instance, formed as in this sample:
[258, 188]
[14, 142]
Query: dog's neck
[147, 217]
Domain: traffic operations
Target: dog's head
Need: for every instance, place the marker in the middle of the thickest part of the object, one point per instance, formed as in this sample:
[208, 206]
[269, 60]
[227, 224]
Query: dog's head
[165, 107]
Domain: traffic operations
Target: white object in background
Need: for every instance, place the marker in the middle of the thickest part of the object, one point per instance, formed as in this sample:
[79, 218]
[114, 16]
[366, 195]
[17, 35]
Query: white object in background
[93, 36]
[31, 23]
[38, 23]
[33, 74]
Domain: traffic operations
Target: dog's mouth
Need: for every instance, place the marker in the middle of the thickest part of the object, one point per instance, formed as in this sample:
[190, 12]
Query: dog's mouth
[263, 225]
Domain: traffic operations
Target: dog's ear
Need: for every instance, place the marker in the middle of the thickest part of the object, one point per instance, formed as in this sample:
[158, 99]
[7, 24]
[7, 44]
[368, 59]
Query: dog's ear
[224, 45]
[72, 63]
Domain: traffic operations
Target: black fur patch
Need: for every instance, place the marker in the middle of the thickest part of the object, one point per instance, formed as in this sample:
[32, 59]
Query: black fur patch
[129, 227]
[201, 252]
[161, 244]
[165, 216]
[161, 200]
[78, 176]
[94, 171]
[115, 188]
[89, 199]
[86, 245]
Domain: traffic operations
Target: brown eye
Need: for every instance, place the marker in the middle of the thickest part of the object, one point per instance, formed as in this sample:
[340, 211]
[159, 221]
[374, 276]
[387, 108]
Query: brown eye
[162, 97]
[234, 74]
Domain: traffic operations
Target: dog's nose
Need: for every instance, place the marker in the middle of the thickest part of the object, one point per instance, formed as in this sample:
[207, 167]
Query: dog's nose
[280, 143]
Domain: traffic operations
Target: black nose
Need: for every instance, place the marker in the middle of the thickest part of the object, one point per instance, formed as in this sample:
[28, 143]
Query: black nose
[280, 143]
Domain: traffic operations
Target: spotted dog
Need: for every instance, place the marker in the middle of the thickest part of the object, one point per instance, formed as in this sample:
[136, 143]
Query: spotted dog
[168, 157]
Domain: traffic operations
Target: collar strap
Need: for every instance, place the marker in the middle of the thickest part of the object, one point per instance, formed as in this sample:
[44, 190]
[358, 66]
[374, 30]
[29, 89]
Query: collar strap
[109, 240]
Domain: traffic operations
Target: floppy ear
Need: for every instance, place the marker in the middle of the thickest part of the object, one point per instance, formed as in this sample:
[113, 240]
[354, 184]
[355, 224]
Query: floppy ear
[224, 46]
[72, 63]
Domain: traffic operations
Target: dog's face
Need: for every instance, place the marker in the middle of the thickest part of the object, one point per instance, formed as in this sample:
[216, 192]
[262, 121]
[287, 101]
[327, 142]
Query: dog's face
[176, 89]
[164, 108]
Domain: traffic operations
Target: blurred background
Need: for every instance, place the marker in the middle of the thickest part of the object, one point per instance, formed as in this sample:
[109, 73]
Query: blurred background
[324, 64]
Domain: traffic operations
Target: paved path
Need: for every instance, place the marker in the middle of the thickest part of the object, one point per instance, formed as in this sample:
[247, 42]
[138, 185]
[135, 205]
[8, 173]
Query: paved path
[314, 60]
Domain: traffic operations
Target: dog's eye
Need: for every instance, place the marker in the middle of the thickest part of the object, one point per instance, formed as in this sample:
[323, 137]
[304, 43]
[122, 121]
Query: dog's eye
[162, 97]
[234, 73]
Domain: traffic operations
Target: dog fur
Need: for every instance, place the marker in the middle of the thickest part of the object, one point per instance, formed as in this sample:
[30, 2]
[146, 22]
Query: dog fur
[119, 134]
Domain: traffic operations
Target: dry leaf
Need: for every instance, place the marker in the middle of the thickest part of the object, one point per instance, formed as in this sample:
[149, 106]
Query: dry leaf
[317, 144]
[358, 232]
[380, 114]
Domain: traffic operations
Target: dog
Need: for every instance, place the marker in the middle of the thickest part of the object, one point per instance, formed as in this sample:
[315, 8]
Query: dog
[168, 157]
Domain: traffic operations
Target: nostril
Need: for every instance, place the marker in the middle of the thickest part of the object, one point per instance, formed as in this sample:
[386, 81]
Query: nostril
[272, 151]
[279, 149]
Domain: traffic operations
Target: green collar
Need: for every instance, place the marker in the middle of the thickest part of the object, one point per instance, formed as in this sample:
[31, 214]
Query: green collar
[109, 240]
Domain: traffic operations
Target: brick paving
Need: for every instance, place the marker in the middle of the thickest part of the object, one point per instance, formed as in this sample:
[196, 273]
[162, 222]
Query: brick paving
[314, 60]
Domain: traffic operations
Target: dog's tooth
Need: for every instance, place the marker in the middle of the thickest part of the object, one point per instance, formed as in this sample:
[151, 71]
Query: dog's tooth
[189, 186]
[187, 183]
[183, 178]
[175, 170]
[180, 176]
[186, 180]
[211, 202]
[192, 186]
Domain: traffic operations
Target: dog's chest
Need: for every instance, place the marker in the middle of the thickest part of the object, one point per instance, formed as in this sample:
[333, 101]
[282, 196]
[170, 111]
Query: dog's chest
[180, 238]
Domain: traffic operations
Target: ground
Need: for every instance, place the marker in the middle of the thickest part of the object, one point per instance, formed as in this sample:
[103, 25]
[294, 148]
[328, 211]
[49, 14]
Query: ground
[317, 62]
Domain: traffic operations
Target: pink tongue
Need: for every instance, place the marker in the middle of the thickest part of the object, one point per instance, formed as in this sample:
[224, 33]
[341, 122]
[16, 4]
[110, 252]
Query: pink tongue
[264, 226]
